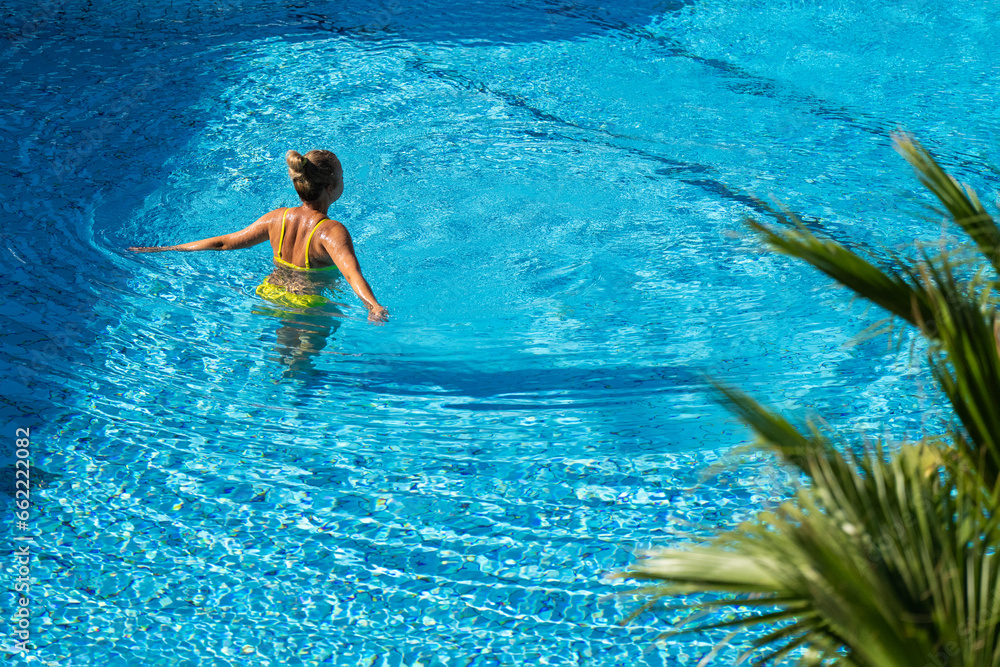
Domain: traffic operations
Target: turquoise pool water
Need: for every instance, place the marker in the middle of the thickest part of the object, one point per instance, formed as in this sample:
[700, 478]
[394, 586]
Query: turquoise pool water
[549, 197]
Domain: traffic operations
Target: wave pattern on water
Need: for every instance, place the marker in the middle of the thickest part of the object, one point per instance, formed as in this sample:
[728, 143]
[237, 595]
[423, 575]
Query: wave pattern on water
[550, 198]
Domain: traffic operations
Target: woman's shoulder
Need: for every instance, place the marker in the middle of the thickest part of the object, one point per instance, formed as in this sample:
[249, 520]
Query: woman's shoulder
[334, 225]
[333, 230]
[277, 214]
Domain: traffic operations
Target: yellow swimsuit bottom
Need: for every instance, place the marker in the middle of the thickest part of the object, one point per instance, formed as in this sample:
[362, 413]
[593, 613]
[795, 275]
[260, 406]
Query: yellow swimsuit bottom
[281, 295]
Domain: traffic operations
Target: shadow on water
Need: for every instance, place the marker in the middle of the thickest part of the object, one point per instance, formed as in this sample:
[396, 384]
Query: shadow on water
[518, 389]
[483, 21]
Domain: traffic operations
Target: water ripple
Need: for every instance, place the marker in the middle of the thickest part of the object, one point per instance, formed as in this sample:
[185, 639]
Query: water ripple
[549, 197]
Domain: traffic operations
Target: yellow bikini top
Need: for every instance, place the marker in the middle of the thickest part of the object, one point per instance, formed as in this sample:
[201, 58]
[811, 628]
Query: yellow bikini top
[281, 241]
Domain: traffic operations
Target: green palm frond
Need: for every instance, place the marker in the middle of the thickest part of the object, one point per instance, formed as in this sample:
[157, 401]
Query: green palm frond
[958, 317]
[961, 202]
[887, 289]
[868, 558]
[882, 558]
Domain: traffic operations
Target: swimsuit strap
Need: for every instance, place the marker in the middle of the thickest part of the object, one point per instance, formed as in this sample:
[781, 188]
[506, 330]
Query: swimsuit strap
[281, 242]
[309, 239]
[281, 239]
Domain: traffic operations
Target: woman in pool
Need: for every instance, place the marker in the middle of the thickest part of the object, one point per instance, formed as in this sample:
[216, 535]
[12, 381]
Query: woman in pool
[309, 248]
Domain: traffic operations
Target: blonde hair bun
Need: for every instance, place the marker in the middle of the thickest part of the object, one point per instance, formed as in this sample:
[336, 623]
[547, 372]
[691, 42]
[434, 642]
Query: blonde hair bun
[312, 172]
[296, 162]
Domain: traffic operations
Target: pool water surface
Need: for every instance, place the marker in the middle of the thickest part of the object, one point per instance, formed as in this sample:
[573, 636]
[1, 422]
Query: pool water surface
[550, 198]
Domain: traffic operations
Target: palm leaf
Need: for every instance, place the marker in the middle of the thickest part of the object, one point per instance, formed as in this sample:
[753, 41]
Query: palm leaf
[868, 557]
[879, 559]
[887, 289]
[961, 203]
[950, 313]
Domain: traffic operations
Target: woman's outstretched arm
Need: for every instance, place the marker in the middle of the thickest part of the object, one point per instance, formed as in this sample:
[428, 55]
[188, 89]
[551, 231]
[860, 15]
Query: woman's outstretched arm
[256, 233]
[340, 247]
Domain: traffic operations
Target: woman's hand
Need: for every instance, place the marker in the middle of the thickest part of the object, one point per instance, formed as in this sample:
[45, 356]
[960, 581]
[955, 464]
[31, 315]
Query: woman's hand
[150, 248]
[378, 314]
